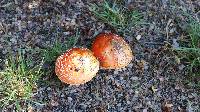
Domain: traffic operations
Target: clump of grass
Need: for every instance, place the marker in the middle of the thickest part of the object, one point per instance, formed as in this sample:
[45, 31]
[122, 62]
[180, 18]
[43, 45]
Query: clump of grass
[194, 33]
[50, 54]
[190, 53]
[192, 50]
[117, 16]
[18, 80]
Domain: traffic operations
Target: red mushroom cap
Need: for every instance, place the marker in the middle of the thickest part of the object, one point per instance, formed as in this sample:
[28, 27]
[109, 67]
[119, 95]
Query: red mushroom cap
[76, 66]
[112, 51]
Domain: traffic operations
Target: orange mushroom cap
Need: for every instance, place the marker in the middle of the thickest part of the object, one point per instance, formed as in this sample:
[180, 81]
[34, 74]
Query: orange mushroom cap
[76, 66]
[112, 51]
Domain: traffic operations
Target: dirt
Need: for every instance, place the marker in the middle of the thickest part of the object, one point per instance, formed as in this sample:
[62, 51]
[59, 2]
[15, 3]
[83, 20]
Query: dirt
[153, 81]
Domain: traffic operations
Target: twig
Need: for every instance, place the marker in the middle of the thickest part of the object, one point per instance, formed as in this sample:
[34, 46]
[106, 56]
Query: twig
[167, 28]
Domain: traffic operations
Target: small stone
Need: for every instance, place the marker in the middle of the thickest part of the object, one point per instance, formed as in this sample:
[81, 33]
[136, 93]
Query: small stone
[63, 3]
[54, 103]
[116, 72]
[13, 40]
[69, 99]
[177, 87]
[181, 67]
[1, 46]
[190, 96]
[119, 104]
[138, 37]
[1, 31]
[172, 30]
[32, 5]
[48, 88]
[144, 110]
[4, 51]
[66, 33]
[130, 65]
[175, 43]
[136, 92]
[134, 78]
[62, 95]
[161, 79]
[73, 22]
[152, 26]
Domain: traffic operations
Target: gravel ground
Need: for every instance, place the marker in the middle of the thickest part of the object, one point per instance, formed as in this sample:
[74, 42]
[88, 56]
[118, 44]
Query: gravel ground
[152, 82]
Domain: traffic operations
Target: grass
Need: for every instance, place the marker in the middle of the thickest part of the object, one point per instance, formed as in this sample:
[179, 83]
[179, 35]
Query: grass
[117, 16]
[18, 80]
[190, 52]
[20, 75]
[50, 54]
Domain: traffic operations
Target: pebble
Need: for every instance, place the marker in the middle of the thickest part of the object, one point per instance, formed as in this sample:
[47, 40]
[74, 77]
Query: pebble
[13, 40]
[62, 95]
[130, 65]
[54, 103]
[69, 99]
[119, 104]
[128, 102]
[134, 78]
[66, 33]
[4, 52]
[116, 72]
[48, 88]
[144, 110]
[1, 46]
[138, 37]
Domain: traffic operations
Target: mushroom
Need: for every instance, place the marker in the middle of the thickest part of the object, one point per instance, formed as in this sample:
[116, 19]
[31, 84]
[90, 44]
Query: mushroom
[76, 66]
[112, 51]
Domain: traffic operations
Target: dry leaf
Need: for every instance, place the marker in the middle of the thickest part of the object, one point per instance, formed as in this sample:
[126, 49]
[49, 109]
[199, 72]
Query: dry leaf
[153, 89]
[167, 107]
[30, 109]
